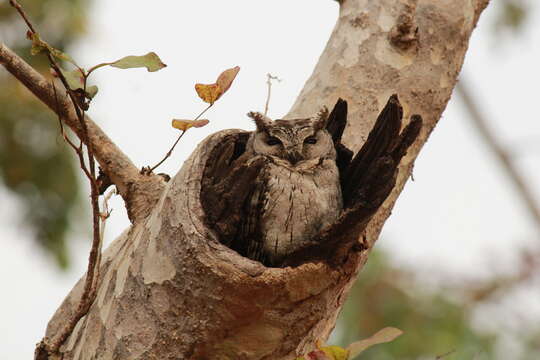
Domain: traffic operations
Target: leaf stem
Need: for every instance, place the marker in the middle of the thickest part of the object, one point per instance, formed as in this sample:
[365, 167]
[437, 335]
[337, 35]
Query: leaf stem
[202, 112]
[95, 67]
[19, 9]
[176, 142]
[269, 79]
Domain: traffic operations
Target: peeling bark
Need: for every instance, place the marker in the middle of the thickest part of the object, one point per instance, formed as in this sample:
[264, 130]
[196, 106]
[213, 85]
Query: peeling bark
[169, 289]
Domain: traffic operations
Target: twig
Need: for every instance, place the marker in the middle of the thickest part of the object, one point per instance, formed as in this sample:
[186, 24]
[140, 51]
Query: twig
[19, 9]
[445, 354]
[149, 170]
[269, 78]
[103, 217]
[500, 152]
[113, 161]
[528, 262]
[89, 292]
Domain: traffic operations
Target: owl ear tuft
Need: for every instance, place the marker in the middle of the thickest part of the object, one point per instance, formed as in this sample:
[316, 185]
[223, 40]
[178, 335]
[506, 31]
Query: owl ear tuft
[261, 121]
[320, 120]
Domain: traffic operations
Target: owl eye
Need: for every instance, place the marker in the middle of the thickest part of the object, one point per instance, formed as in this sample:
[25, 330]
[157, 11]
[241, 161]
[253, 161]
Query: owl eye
[311, 140]
[273, 141]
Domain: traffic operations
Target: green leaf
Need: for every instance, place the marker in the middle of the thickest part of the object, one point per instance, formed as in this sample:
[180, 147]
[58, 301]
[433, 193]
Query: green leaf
[150, 61]
[75, 80]
[39, 46]
[335, 352]
[382, 336]
[91, 91]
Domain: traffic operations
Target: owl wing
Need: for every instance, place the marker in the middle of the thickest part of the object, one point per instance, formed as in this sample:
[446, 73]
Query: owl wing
[335, 125]
[366, 180]
[248, 240]
[229, 183]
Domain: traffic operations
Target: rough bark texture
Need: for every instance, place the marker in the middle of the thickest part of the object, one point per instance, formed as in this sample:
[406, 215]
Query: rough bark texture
[169, 290]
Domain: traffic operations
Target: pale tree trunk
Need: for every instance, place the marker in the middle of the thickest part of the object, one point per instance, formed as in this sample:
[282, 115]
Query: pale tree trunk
[169, 290]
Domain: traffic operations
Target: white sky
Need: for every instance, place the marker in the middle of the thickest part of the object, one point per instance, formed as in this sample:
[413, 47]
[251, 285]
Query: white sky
[460, 216]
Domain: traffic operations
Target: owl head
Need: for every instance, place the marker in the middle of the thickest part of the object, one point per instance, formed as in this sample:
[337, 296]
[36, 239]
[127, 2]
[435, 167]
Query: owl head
[295, 140]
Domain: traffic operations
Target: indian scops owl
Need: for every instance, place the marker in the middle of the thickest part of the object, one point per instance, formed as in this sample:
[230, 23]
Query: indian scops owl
[297, 193]
[288, 191]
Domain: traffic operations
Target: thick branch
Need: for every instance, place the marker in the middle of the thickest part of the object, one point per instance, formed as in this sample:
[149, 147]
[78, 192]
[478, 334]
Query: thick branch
[140, 192]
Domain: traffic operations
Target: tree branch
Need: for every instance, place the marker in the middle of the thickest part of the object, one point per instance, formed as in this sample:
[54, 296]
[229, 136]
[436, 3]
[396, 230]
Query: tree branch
[529, 264]
[481, 124]
[140, 192]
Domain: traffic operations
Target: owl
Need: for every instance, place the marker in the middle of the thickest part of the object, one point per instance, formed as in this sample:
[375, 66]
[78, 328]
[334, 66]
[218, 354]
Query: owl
[297, 192]
[288, 189]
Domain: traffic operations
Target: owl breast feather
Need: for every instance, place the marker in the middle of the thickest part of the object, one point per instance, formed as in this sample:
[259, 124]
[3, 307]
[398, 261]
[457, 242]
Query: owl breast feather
[298, 203]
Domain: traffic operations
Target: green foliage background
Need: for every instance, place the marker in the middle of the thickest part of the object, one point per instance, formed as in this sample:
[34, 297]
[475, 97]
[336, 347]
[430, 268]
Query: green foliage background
[433, 324]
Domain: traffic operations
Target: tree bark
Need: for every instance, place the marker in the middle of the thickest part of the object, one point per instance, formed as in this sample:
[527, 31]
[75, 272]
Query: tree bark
[169, 289]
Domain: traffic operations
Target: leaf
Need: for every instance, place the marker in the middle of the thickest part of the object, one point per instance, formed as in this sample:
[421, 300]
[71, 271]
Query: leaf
[74, 78]
[75, 81]
[317, 355]
[226, 78]
[184, 125]
[210, 93]
[382, 336]
[150, 61]
[39, 46]
[91, 91]
[335, 352]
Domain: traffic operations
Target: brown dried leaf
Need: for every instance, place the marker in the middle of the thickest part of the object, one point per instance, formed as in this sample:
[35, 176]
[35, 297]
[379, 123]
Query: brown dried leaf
[382, 336]
[208, 92]
[183, 125]
[226, 78]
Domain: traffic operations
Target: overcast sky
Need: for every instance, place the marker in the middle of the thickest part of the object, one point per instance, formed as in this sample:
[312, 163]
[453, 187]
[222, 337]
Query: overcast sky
[460, 216]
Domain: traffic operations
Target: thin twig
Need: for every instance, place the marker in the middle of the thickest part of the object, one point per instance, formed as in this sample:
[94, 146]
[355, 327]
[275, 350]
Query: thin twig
[112, 160]
[502, 154]
[442, 356]
[89, 292]
[103, 217]
[269, 78]
[77, 149]
[528, 264]
[19, 9]
[149, 171]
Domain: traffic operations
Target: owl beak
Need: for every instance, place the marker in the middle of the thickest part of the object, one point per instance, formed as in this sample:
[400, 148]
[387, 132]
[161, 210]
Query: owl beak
[294, 156]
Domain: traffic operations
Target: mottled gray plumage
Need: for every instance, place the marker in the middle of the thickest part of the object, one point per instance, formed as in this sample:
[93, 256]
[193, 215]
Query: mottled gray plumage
[289, 191]
[297, 192]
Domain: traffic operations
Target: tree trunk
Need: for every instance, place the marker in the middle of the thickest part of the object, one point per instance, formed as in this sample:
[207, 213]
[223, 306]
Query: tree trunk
[169, 289]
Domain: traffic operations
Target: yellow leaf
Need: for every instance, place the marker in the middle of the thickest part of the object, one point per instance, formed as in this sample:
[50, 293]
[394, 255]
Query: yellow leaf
[186, 124]
[382, 336]
[208, 93]
[211, 92]
[226, 78]
[335, 352]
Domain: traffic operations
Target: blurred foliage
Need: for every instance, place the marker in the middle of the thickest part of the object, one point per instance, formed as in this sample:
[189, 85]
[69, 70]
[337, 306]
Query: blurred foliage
[35, 164]
[512, 15]
[433, 325]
